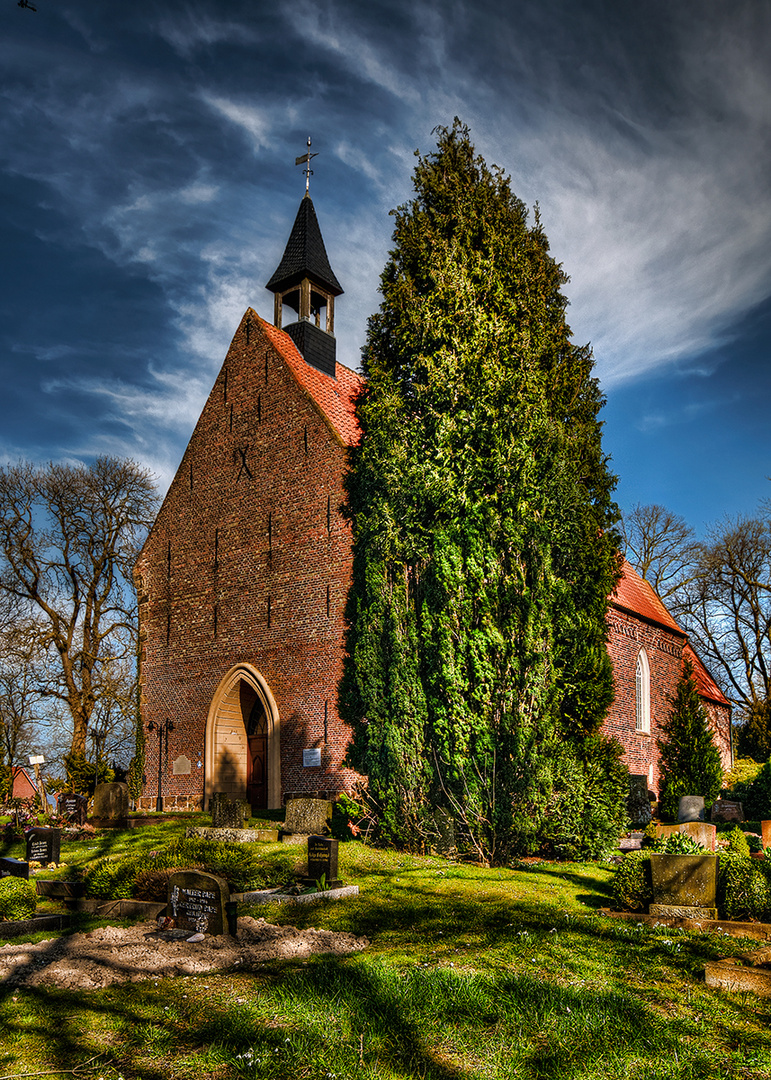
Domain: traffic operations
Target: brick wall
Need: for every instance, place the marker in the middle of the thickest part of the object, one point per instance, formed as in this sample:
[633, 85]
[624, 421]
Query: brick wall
[249, 562]
[664, 650]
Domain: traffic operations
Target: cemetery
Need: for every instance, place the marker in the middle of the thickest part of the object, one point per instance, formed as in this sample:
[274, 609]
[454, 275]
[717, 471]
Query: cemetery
[218, 918]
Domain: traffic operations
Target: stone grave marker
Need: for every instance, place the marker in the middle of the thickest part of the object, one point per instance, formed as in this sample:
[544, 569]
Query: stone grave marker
[72, 807]
[639, 803]
[10, 867]
[684, 886]
[308, 816]
[111, 804]
[701, 831]
[691, 808]
[726, 810]
[322, 862]
[197, 901]
[43, 845]
[226, 814]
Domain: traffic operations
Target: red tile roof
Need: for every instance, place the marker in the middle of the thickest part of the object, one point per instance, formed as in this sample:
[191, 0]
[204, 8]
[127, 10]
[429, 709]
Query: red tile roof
[334, 398]
[637, 596]
[708, 688]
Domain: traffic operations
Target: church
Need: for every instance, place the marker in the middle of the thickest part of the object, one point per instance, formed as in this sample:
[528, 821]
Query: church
[242, 582]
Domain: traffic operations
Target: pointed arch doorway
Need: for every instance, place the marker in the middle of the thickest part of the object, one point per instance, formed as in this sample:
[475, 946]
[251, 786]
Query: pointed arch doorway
[243, 749]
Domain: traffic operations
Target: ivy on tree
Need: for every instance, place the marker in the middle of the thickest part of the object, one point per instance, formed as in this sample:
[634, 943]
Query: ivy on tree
[482, 513]
[689, 761]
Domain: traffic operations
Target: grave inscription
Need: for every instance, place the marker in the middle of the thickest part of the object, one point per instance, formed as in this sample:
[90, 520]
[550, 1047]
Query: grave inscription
[322, 861]
[196, 901]
[43, 845]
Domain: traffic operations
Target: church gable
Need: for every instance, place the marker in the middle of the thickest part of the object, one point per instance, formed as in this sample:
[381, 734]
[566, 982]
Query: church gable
[248, 562]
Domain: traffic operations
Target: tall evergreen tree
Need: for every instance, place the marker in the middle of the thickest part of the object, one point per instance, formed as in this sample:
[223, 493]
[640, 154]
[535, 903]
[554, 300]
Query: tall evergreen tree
[689, 761]
[481, 504]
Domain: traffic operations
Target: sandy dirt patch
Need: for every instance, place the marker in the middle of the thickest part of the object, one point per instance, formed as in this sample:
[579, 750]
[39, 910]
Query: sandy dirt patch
[114, 954]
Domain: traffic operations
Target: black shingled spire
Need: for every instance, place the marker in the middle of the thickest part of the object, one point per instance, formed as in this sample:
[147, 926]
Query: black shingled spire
[305, 255]
[304, 282]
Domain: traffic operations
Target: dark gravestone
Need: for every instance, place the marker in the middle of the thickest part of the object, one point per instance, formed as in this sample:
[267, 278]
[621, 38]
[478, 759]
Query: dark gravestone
[73, 807]
[197, 901]
[111, 803]
[322, 862]
[727, 810]
[639, 804]
[14, 868]
[43, 845]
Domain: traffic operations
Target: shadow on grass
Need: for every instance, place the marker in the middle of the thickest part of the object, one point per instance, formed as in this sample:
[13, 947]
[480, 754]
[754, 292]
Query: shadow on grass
[344, 1017]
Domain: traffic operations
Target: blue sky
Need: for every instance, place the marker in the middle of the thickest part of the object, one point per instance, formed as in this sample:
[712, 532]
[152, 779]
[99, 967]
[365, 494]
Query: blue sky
[147, 189]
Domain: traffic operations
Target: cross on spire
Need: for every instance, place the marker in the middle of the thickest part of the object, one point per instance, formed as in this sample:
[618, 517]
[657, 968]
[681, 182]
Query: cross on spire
[306, 160]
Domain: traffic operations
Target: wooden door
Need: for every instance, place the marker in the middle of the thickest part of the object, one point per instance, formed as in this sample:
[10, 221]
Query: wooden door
[257, 763]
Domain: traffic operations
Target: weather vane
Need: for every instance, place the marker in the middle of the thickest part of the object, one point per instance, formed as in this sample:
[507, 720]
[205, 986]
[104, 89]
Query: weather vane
[306, 160]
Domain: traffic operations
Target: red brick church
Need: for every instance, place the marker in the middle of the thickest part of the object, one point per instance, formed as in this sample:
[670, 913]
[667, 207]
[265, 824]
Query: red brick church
[243, 580]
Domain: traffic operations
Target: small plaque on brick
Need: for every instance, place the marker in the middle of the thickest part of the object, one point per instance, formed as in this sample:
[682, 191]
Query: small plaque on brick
[43, 845]
[196, 901]
[311, 758]
[181, 766]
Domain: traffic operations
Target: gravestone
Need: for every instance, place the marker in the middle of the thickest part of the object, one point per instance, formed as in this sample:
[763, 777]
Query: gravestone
[322, 862]
[111, 804]
[691, 808]
[72, 807]
[197, 901]
[684, 886]
[14, 868]
[700, 831]
[639, 803]
[308, 816]
[226, 814]
[726, 810]
[43, 845]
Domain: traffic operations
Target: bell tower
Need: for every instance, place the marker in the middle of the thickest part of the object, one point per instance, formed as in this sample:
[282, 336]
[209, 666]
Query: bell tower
[304, 281]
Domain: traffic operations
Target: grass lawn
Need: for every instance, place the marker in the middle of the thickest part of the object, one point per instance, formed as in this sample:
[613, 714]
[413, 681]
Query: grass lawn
[471, 973]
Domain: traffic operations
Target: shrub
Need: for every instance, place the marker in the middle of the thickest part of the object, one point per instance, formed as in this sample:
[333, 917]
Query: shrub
[631, 886]
[679, 843]
[757, 796]
[588, 808]
[111, 877]
[346, 815]
[744, 887]
[18, 898]
[650, 838]
[689, 761]
[737, 842]
[744, 771]
[239, 864]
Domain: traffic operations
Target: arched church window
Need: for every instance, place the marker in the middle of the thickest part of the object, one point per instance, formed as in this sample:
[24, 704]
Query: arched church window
[643, 693]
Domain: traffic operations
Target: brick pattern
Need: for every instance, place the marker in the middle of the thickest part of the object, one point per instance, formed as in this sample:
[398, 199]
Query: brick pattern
[249, 561]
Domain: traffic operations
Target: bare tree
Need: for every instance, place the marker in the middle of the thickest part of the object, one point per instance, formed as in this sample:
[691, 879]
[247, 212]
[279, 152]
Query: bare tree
[662, 547]
[69, 535]
[727, 609]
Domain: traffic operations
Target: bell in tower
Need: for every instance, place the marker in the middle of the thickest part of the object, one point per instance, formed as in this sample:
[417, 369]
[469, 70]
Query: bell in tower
[304, 282]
